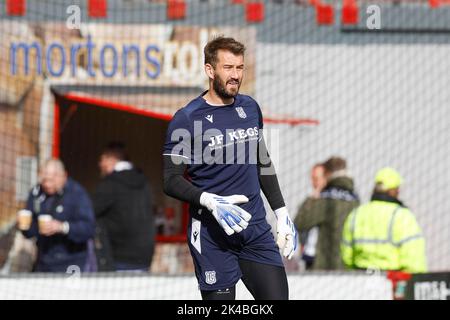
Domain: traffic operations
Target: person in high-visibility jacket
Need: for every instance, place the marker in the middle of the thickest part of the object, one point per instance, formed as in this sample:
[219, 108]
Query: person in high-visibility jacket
[383, 234]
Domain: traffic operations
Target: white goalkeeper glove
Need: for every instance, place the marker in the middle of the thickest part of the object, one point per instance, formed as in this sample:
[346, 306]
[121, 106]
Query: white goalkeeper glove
[231, 217]
[287, 235]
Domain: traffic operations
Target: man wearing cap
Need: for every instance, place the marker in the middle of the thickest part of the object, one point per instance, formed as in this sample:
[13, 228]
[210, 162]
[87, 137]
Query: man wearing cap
[383, 234]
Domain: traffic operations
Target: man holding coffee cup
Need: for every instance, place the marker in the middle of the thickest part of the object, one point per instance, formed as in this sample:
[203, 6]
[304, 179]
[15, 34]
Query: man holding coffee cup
[59, 214]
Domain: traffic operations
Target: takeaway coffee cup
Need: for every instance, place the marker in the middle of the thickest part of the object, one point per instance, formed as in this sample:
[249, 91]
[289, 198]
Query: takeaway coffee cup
[43, 220]
[24, 219]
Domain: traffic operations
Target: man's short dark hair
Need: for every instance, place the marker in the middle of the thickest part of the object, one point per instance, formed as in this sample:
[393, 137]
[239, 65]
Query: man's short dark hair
[115, 149]
[222, 43]
[335, 164]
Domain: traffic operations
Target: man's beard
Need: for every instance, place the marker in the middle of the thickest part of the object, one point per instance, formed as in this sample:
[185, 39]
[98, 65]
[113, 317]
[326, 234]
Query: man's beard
[221, 89]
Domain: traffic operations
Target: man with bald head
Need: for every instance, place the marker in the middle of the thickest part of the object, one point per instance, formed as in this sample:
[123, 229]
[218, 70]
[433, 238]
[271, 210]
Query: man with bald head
[62, 220]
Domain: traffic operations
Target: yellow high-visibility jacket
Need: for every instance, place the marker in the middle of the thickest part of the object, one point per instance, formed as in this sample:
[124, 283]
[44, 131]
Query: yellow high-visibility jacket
[383, 235]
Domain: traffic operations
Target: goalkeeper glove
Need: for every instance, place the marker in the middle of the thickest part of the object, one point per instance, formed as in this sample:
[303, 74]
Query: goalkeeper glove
[231, 217]
[287, 235]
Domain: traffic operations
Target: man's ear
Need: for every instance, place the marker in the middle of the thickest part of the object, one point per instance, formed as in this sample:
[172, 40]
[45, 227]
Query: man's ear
[209, 70]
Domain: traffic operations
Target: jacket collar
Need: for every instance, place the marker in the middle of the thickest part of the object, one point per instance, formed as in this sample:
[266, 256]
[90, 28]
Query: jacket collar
[122, 166]
[343, 182]
[378, 196]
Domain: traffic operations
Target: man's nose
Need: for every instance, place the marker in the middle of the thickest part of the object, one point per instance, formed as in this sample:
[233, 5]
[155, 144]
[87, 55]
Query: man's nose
[235, 73]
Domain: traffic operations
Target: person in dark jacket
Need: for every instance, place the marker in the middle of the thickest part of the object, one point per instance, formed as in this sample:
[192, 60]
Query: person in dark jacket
[329, 213]
[69, 220]
[308, 239]
[123, 207]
